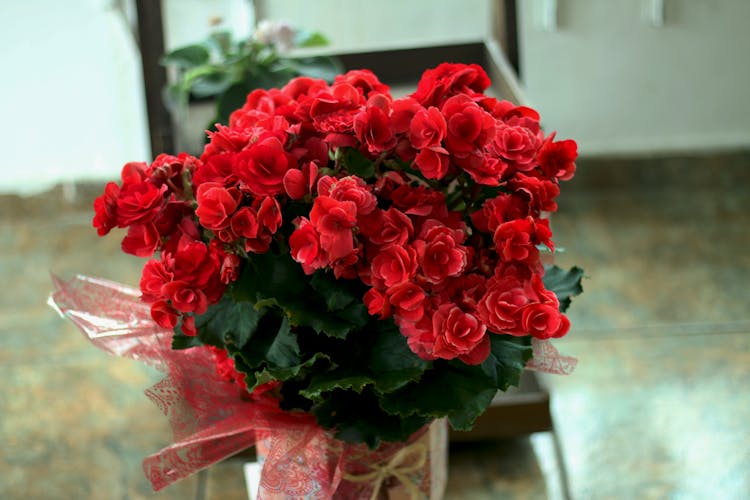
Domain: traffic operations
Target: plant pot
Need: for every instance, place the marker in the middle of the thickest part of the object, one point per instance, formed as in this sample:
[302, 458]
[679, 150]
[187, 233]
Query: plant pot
[190, 126]
[299, 467]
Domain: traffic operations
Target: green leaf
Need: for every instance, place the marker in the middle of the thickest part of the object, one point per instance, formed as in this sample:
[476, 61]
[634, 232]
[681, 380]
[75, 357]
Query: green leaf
[265, 373]
[208, 81]
[187, 57]
[273, 75]
[324, 68]
[285, 373]
[284, 350]
[182, 341]
[459, 391]
[273, 353]
[391, 362]
[274, 344]
[270, 276]
[307, 38]
[231, 99]
[463, 419]
[358, 418]
[565, 284]
[254, 379]
[335, 292]
[357, 164]
[326, 382]
[228, 322]
[277, 280]
[377, 355]
[354, 314]
[451, 389]
[508, 356]
[303, 313]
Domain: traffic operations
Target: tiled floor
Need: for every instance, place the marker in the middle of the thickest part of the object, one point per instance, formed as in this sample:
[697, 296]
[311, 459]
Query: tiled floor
[658, 407]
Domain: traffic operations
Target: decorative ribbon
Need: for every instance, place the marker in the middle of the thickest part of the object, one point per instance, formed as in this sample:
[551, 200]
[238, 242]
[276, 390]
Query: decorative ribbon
[211, 420]
[547, 359]
[416, 453]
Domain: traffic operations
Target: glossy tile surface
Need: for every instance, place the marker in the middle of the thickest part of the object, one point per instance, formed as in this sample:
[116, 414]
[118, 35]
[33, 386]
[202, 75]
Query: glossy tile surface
[658, 407]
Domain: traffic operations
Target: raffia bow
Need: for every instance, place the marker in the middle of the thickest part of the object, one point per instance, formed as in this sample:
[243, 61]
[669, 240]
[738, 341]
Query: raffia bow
[407, 460]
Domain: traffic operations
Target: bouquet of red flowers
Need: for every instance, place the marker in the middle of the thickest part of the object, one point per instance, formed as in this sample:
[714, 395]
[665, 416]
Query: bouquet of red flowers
[363, 263]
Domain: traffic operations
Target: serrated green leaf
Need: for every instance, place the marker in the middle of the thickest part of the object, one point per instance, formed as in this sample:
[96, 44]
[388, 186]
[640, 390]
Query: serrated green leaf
[277, 279]
[355, 314]
[308, 314]
[377, 356]
[463, 419]
[508, 356]
[267, 303]
[455, 390]
[288, 372]
[182, 341]
[357, 418]
[189, 56]
[254, 378]
[326, 382]
[312, 314]
[391, 362]
[565, 284]
[270, 276]
[274, 353]
[274, 344]
[284, 350]
[228, 322]
[335, 292]
[357, 164]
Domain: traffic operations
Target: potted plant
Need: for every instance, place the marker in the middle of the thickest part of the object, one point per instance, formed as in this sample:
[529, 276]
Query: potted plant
[211, 78]
[335, 274]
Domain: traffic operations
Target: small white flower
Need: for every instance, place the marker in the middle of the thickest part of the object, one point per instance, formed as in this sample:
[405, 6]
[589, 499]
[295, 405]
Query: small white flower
[278, 33]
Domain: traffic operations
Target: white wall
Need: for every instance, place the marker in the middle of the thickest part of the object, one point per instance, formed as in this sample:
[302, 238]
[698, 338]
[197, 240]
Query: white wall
[361, 25]
[190, 21]
[72, 101]
[71, 94]
[71, 97]
[609, 78]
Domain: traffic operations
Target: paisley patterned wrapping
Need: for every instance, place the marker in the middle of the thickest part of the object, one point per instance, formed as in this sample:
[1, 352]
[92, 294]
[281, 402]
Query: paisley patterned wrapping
[399, 471]
[212, 419]
[547, 359]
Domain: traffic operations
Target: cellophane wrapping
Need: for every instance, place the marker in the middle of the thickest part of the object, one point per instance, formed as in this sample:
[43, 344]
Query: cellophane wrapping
[398, 471]
[213, 419]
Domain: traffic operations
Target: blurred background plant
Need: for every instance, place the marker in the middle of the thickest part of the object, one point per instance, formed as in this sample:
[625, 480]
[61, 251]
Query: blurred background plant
[222, 71]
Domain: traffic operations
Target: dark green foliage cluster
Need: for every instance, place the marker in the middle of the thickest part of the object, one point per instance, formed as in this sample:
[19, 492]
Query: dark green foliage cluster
[353, 371]
[226, 71]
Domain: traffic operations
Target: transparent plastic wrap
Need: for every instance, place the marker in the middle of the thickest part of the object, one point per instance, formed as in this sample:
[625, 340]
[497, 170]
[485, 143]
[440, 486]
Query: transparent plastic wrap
[212, 419]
